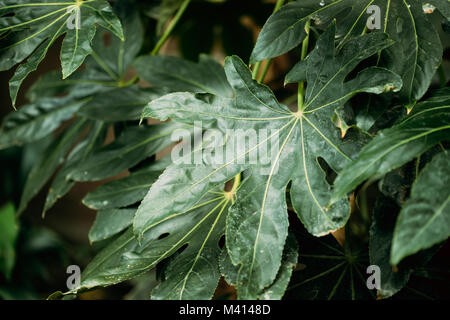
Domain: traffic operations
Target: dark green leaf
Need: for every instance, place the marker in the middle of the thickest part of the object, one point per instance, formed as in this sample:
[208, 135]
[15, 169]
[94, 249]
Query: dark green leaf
[327, 271]
[415, 56]
[52, 158]
[120, 104]
[177, 74]
[199, 227]
[61, 185]
[35, 26]
[381, 232]
[425, 126]
[132, 146]
[37, 120]
[109, 223]
[425, 218]
[123, 192]
[115, 54]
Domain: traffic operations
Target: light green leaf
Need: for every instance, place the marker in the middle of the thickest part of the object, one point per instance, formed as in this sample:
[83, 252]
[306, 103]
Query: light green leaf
[276, 290]
[289, 261]
[8, 236]
[194, 273]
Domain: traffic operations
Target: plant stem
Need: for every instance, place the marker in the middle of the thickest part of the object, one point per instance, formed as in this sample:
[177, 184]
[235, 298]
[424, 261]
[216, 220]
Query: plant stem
[301, 84]
[417, 166]
[171, 26]
[256, 70]
[104, 66]
[258, 64]
[236, 183]
[164, 37]
[264, 72]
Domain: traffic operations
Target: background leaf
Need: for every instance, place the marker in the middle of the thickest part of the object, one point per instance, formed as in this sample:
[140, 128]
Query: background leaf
[424, 219]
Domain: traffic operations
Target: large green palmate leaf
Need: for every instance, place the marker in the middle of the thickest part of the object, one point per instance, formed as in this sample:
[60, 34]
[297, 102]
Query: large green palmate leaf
[425, 217]
[304, 137]
[35, 26]
[424, 127]
[415, 55]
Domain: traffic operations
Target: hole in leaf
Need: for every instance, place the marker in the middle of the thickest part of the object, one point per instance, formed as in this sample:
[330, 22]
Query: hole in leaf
[183, 247]
[106, 37]
[330, 174]
[221, 242]
[369, 62]
[163, 236]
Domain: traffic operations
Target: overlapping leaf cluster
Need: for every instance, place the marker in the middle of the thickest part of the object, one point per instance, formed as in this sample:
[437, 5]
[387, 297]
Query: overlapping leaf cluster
[179, 216]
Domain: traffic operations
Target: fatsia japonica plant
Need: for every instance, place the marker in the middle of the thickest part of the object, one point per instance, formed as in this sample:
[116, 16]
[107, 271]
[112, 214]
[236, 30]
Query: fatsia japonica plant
[356, 168]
